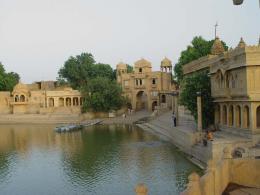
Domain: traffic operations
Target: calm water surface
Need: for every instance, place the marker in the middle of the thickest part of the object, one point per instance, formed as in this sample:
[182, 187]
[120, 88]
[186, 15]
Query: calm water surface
[98, 160]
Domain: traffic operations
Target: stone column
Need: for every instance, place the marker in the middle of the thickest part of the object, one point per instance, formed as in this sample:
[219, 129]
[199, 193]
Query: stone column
[176, 111]
[199, 110]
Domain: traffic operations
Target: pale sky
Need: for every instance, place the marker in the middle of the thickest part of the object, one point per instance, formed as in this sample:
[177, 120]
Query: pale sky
[37, 36]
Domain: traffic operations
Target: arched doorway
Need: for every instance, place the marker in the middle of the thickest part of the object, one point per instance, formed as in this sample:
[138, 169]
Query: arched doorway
[246, 120]
[61, 102]
[217, 114]
[238, 116]
[75, 101]
[141, 100]
[51, 102]
[231, 116]
[16, 99]
[154, 104]
[224, 119]
[163, 99]
[258, 117]
[68, 101]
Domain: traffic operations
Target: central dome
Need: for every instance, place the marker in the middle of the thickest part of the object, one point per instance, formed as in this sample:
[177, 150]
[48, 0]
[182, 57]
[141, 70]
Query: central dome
[143, 63]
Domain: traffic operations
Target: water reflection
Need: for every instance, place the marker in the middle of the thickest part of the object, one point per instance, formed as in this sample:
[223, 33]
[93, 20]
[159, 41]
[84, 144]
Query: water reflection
[98, 160]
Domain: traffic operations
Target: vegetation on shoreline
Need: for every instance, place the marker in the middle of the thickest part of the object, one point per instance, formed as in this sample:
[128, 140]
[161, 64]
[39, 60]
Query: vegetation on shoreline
[196, 82]
[96, 81]
[7, 79]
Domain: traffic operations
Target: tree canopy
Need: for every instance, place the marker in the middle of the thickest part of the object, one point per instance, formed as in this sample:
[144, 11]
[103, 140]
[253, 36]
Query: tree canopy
[7, 79]
[96, 81]
[102, 94]
[199, 47]
[81, 68]
[198, 82]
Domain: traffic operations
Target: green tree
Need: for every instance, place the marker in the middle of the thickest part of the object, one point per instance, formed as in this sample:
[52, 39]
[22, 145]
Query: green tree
[7, 80]
[102, 94]
[81, 68]
[198, 82]
[199, 47]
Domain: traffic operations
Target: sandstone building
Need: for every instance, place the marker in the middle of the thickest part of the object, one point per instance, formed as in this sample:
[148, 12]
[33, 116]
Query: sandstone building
[235, 87]
[147, 89]
[40, 98]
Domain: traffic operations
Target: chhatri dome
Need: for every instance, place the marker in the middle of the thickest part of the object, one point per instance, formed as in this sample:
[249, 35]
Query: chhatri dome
[20, 88]
[217, 47]
[241, 43]
[121, 65]
[166, 62]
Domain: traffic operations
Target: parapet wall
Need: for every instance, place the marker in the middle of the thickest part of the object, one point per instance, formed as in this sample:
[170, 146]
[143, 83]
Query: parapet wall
[218, 175]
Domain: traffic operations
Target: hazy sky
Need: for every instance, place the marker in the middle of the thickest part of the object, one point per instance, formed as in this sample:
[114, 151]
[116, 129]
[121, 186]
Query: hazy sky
[37, 36]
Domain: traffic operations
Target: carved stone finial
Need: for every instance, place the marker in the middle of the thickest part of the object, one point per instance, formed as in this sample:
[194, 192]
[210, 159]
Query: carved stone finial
[241, 43]
[217, 47]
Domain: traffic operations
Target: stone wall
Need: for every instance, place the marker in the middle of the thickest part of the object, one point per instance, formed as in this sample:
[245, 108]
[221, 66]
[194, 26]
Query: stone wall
[219, 174]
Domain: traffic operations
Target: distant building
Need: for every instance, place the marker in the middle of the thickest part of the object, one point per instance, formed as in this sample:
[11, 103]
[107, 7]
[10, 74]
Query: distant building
[147, 89]
[40, 98]
[235, 87]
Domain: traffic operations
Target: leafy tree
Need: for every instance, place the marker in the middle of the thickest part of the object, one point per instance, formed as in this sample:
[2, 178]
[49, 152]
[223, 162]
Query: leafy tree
[7, 80]
[78, 70]
[198, 82]
[102, 94]
[199, 47]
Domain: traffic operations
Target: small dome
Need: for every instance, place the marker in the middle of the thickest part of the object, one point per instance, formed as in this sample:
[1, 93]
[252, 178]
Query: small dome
[121, 65]
[166, 62]
[143, 63]
[217, 47]
[20, 87]
[241, 43]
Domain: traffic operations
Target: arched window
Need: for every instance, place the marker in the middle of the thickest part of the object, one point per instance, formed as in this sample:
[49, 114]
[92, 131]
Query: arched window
[246, 120]
[22, 98]
[68, 101]
[258, 117]
[231, 116]
[75, 101]
[61, 102]
[16, 99]
[51, 102]
[224, 119]
[238, 116]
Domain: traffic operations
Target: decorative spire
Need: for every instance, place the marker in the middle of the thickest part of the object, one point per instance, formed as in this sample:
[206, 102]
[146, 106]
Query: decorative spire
[217, 47]
[241, 43]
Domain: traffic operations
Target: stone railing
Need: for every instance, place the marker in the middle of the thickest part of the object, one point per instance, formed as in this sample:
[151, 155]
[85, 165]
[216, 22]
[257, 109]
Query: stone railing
[219, 175]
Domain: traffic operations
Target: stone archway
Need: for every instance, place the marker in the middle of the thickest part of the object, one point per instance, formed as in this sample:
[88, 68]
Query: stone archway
[51, 102]
[141, 100]
[258, 117]
[22, 98]
[238, 116]
[231, 116]
[61, 102]
[246, 120]
[224, 115]
[68, 101]
[154, 104]
[75, 101]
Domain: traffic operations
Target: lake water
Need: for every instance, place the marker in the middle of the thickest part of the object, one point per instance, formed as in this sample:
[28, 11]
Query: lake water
[97, 160]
